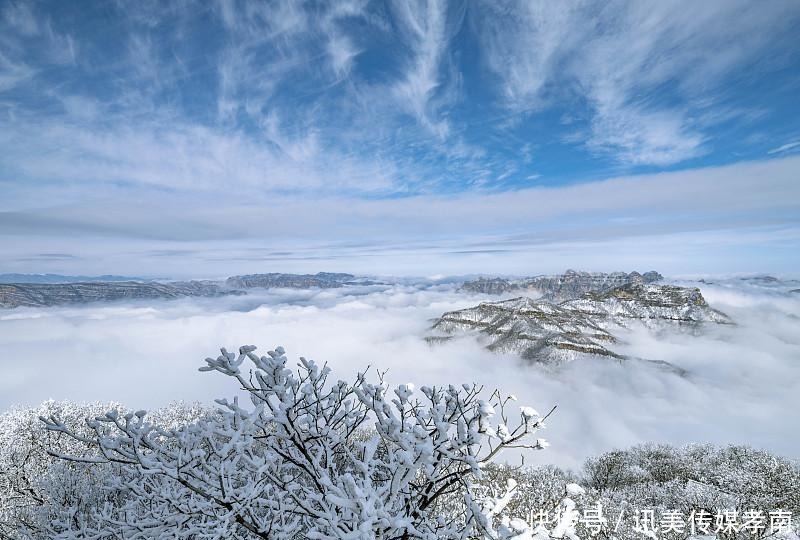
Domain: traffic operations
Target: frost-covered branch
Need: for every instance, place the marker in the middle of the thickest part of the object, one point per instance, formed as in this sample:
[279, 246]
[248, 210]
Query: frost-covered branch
[307, 457]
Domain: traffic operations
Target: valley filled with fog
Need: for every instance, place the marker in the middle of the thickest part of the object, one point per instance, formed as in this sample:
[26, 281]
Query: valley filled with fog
[739, 386]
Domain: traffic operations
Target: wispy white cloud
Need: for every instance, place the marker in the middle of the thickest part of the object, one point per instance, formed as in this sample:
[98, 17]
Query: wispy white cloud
[268, 42]
[341, 47]
[342, 52]
[164, 153]
[20, 27]
[614, 55]
[788, 147]
[427, 32]
[264, 43]
[642, 137]
[523, 43]
[62, 49]
[294, 73]
[20, 16]
[12, 73]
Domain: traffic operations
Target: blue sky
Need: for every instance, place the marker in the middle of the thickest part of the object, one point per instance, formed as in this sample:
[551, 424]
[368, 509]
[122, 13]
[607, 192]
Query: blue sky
[432, 136]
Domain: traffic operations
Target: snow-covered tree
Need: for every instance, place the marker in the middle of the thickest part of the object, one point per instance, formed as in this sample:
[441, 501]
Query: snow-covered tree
[678, 485]
[539, 489]
[307, 457]
[696, 478]
[39, 493]
[30, 479]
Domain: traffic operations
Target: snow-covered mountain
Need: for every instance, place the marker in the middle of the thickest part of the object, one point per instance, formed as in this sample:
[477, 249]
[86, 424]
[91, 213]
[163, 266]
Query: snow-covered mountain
[536, 330]
[556, 332]
[560, 287]
[648, 303]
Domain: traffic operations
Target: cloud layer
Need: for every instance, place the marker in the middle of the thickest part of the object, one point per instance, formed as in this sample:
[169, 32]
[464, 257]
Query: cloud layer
[680, 222]
[741, 388]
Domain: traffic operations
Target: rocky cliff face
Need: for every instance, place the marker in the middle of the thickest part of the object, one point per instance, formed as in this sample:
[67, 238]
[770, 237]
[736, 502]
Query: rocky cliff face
[566, 286]
[43, 295]
[552, 333]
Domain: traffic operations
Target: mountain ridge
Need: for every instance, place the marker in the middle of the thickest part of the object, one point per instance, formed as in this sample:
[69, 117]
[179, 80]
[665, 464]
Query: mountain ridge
[26, 294]
[558, 287]
[552, 333]
[53, 294]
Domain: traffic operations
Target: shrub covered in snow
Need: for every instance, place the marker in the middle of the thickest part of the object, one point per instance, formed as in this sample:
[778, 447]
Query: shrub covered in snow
[306, 457]
[40, 494]
[695, 480]
[733, 480]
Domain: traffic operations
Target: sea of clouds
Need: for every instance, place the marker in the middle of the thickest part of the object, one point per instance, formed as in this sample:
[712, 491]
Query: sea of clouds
[743, 382]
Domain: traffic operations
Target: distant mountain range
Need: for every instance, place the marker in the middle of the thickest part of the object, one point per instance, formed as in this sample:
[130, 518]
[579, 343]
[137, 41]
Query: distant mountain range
[566, 286]
[321, 280]
[765, 283]
[54, 294]
[553, 333]
[42, 290]
[44, 294]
